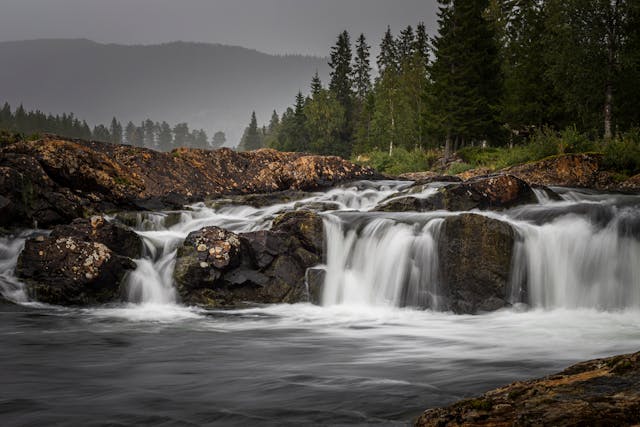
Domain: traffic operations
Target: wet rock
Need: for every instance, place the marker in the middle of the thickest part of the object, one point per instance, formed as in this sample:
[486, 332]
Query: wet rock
[305, 225]
[120, 239]
[71, 271]
[54, 180]
[475, 262]
[428, 177]
[203, 257]
[493, 192]
[315, 284]
[595, 393]
[266, 266]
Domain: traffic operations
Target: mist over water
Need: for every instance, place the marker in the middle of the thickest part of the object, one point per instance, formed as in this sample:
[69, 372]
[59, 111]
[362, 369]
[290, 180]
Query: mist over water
[364, 357]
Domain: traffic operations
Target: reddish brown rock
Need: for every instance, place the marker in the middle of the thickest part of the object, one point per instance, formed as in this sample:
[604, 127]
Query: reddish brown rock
[55, 180]
[568, 170]
[601, 392]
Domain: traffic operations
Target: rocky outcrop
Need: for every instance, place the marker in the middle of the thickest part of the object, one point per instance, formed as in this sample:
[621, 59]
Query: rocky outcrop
[568, 170]
[218, 268]
[71, 271]
[474, 262]
[53, 180]
[493, 192]
[601, 392]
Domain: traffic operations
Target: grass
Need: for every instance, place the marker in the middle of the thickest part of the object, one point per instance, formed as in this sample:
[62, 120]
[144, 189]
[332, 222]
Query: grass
[401, 161]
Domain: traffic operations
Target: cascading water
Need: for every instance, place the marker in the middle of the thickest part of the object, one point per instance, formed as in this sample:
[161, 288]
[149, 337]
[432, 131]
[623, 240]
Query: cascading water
[381, 262]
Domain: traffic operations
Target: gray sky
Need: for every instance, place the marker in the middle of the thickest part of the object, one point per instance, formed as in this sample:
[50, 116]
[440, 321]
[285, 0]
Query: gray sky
[272, 26]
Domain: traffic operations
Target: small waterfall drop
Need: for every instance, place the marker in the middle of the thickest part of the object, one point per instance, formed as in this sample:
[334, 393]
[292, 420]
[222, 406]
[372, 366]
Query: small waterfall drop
[381, 262]
[10, 249]
[573, 263]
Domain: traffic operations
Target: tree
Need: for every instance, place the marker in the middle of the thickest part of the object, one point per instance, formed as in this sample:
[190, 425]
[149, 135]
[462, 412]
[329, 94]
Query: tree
[101, 133]
[130, 133]
[165, 136]
[316, 84]
[361, 70]
[181, 135]
[218, 140]
[388, 56]
[200, 139]
[324, 120]
[116, 131]
[252, 137]
[466, 79]
[341, 86]
[587, 40]
[149, 132]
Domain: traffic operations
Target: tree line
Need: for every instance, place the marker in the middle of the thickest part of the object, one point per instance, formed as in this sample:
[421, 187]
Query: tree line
[155, 135]
[496, 71]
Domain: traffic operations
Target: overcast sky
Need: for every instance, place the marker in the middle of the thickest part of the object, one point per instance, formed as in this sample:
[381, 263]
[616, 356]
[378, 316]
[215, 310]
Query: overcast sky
[272, 26]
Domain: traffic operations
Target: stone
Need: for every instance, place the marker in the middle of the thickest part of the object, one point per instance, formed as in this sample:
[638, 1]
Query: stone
[594, 393]
[69, 271]
[474, 255]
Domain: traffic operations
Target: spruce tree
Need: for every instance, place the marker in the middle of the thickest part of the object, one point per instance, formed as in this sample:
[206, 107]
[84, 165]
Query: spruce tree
[316, 85]
[361, 70]
[116, 131]
[165, 137]
[466, 79]
[388, 57]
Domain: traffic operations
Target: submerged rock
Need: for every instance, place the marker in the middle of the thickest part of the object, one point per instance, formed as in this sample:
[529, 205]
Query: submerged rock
[595, 393]
[475, 262]
[71, 271]
[266, 266]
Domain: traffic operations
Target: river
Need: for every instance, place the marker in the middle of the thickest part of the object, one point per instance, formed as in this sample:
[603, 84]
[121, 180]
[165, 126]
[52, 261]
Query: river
[363, 357]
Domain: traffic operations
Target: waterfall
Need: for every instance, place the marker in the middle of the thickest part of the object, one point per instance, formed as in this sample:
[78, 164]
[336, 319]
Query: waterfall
[573, 263]
[10, 249]
[381, 262]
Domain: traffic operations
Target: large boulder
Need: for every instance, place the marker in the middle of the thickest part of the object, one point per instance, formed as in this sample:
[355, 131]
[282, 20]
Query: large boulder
[120, 239]
[266, 266]
[601, 392]
[494, 192]
[475, 254]
[71, 271]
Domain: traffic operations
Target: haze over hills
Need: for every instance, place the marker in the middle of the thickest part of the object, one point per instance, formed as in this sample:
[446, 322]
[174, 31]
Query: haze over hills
[209, 86]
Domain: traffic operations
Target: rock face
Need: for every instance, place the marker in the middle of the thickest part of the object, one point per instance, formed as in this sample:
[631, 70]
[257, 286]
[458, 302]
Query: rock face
[53, 181]
[493, 192]
[71, 271]
[218, 268]
[475, 261]
[595, 393]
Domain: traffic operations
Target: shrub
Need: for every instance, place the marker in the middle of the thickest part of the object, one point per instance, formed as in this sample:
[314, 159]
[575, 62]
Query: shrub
[401, 161]
[622, 154]
[457, 168]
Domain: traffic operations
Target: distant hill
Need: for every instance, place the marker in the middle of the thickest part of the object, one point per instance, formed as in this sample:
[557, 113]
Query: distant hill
[209, 86]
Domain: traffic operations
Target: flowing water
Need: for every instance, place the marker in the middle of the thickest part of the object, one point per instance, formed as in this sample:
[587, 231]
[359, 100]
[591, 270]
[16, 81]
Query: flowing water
[366, 356]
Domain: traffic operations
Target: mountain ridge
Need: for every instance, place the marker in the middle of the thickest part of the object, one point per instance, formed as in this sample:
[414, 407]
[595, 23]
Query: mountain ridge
[209, 86]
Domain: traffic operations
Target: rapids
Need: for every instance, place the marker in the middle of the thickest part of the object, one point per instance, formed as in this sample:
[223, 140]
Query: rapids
[364, 357]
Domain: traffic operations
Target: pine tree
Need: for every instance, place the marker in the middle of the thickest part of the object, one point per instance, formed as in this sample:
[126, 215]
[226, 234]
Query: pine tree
[218, 140]
[316, 84]
[165, 137]
[466, 75]
[130, 133]
[181, 135]
[252, 137]
[361, 70]
[116, 131]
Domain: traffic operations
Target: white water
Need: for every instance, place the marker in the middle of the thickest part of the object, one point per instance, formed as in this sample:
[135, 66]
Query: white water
[580, 252]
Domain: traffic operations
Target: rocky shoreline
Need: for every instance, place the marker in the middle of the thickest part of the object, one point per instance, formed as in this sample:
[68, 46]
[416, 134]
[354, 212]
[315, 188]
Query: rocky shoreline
[600, 392]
